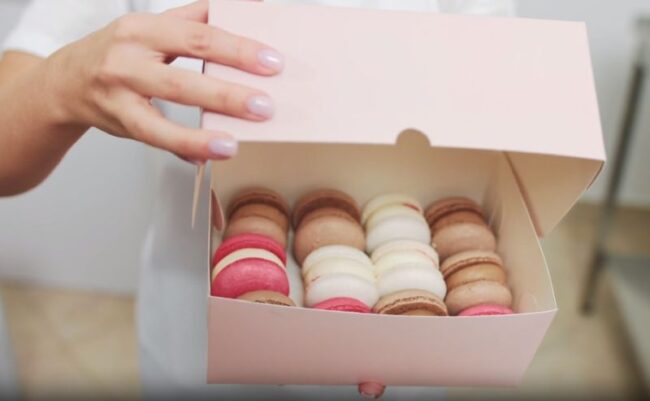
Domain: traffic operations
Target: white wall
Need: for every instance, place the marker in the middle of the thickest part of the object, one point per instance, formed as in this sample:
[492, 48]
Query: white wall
[84, 226]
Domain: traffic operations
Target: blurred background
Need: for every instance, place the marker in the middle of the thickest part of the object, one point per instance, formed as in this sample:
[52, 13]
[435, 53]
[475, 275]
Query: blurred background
[68, 286]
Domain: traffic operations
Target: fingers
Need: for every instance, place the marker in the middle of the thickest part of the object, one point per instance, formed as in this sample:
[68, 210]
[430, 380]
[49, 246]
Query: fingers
[178, 37]
[197, 11]
[194, 89]
[144, 123]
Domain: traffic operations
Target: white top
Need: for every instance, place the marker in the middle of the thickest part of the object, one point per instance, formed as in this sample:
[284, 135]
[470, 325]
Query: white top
[171, 298]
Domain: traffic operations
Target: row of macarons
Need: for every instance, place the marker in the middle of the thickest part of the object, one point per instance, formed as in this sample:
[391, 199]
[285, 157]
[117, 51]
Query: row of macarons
[400, 277]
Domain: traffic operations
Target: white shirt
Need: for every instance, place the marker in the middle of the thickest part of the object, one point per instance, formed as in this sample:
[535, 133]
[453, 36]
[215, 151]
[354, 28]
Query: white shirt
[171, 298]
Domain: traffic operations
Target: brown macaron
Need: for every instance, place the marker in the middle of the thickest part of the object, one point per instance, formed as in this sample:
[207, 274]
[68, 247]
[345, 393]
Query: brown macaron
[460, 237]
[267, 297]
[411, 303]
[262, 210]
[260, 196]
[453, 210]
[325, 198]
[468, 266]
[256, 225]
[327, 226]
[476, 293]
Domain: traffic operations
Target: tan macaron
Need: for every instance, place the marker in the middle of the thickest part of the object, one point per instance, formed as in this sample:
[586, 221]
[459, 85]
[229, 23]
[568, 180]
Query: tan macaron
[468, 266]
[411, 303]
[460, 237]
[324, 198]
[327, 226]
[256, 225]
[476, 293]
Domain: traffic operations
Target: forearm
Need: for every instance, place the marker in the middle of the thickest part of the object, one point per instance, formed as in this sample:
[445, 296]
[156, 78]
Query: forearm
[34, 132]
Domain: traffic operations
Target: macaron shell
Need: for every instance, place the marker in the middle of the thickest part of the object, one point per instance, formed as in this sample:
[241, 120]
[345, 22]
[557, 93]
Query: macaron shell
[257, 225]
[412, 277]
[249, 275]
[397, 228]
[391, 211]
[343, 304]
[258, 195]
[338, 266]
[405, 245]
[245, 253]
[476, 293]
[469, 258]
[336, 252]
[462, 237]
[267, 297]
[486, 310]
[476, 273]
[262, 210]
[457, 217]
[249, 240]
[411, 303]
[393, 259]
[384, 200]
[341, 285]
[451, 205]
[325, 198]
[327, 226]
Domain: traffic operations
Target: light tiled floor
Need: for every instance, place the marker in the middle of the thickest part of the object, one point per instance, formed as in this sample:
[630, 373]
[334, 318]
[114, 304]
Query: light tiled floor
[84, 343]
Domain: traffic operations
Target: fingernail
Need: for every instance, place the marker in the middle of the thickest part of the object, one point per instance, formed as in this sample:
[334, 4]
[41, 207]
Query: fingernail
[271, 59]
[223, 147]
[261, 106]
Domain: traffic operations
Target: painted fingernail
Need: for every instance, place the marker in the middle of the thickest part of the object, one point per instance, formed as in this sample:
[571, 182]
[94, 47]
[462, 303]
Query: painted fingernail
[271, 59]
[261, 106]
[223, 147]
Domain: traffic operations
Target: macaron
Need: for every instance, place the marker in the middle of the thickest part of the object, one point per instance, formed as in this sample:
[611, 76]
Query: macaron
[341, 285]
[256, 225]
[453, 210]
[412, 277]
[389, 199]
[343, 304]
[477, 293]
[411, 302]
[396, 258]
[459, 237]
[258, 196]
[267, 297]
[336, 252]
[262, 210]
[397, 228]
[324, 198]
[405, 245]
[326, 226]
[244, 241]
[245, 253]
[337, 266]
[468, 266]
[250, 274]
[486, 310]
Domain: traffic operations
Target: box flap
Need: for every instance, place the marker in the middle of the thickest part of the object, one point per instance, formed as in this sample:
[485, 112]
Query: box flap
[363, 76]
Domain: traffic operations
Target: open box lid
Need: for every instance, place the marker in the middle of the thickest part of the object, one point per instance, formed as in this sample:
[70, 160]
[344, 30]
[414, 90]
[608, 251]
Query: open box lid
[521, 86]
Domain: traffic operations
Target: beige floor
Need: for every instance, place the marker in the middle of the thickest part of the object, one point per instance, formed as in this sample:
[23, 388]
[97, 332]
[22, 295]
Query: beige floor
[79, 342]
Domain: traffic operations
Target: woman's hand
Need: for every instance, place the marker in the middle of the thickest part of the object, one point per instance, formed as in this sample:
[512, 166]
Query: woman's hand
[107, 80]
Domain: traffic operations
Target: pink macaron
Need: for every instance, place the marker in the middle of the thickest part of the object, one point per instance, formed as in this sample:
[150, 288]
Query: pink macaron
[251, 274]
[248, 240]
[486, 310]
[343, 304]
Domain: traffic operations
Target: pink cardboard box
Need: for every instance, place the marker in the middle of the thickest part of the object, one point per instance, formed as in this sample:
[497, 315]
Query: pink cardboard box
[500, 110]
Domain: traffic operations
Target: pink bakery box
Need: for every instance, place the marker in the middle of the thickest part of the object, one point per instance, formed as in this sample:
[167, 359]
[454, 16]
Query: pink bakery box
[500, 110]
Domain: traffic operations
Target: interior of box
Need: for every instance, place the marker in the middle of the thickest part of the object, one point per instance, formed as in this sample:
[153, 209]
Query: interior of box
[411, 166]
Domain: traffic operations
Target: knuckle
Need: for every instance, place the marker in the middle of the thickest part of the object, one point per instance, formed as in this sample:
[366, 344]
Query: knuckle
[199, 41]
[173, 87]
[110, 71]
[127, 27]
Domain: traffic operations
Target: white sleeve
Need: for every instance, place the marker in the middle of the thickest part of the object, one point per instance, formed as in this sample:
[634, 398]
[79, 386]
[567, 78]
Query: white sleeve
[47, 25]
[503, 8]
